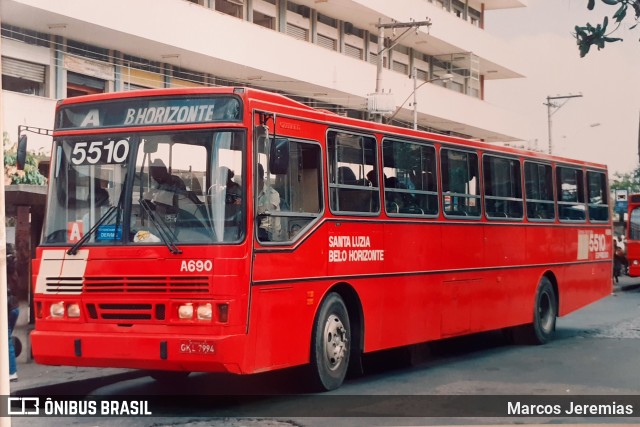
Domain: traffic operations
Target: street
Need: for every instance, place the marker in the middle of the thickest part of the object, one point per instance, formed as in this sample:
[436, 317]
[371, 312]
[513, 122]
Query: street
[595, 352]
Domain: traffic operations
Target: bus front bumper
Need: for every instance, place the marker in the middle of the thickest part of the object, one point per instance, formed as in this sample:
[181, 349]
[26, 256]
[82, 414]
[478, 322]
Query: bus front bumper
[138, 351]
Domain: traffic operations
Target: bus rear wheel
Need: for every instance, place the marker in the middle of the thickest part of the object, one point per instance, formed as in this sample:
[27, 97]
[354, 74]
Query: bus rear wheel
[331, 344]
[545, 311]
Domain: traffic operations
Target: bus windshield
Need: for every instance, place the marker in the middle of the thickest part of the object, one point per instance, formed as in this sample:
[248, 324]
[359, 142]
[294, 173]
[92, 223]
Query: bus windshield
[147, 188]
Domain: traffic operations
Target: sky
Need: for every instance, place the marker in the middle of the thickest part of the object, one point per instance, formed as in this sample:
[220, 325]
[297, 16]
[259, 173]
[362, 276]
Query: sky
[602, 125]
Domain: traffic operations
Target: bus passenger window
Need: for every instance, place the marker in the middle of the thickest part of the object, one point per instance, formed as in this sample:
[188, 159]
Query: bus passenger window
[352, 160]
[538, 180]
[502, 188]
[288, 202]
[570, 189]
[409, 178]
[460, 183]
[598, 199]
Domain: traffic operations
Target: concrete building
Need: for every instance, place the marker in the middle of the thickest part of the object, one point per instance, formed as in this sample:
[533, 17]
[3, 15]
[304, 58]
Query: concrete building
[322, 52]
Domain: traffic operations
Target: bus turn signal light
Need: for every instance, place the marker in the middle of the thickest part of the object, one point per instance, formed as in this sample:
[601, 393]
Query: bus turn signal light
[223, 313]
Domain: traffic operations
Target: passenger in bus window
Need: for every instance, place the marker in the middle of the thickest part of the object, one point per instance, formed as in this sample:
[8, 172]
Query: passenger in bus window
[233, 196]
[268, 201]
[101, 194]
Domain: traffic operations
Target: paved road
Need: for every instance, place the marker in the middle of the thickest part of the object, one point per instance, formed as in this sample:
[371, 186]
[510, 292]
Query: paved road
[595, 352]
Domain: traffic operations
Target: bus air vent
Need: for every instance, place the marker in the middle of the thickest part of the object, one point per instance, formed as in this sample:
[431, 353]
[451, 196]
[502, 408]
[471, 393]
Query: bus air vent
[63, 285]
[147, 284]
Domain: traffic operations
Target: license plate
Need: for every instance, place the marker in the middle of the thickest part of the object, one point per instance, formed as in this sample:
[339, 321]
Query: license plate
[196, 347]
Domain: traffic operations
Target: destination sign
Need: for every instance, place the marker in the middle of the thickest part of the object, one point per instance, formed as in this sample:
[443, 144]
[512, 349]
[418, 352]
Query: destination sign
[151, 111]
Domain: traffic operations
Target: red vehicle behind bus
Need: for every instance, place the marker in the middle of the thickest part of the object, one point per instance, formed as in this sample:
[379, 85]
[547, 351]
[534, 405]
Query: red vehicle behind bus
[633, 235]
[235, 230]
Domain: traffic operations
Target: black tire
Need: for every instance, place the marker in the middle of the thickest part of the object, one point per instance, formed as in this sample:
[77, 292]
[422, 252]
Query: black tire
[330, 344]
[545, 311]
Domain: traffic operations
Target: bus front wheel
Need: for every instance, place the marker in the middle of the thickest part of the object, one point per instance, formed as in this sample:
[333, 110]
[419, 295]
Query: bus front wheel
[331, 344]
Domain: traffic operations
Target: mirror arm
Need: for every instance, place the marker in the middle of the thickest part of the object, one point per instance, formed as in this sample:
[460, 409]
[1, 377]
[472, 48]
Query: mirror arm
[21, 151]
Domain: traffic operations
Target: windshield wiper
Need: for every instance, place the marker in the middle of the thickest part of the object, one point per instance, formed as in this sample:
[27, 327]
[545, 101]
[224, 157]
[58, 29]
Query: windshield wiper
[167, 236]
[74, 249]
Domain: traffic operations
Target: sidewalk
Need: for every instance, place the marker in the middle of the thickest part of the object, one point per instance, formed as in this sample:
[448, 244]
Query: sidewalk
[34, 378]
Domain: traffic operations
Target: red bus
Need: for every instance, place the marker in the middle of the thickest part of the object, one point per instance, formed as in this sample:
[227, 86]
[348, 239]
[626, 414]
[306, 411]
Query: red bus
[236, 230]
[633, 235]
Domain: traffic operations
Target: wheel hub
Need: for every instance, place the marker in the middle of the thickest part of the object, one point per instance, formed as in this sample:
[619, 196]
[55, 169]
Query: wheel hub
[335, 342]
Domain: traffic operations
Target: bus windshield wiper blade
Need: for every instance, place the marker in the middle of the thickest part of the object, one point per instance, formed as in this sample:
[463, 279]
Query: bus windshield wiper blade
[167, 236]
[74, 249]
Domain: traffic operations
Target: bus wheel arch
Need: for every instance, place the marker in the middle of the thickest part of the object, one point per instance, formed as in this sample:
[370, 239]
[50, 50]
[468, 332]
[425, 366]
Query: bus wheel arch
[545, 308]
[554, 282]
[335, 338]
[356, 319]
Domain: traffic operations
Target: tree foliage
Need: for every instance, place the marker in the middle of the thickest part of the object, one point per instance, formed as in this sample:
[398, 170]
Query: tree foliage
[13, 176]
[588, 35]
[626, 181]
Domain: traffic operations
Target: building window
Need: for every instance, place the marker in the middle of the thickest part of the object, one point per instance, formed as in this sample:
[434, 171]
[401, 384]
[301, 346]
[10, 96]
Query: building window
[353, 51]
[230, 7]
[88, 51]
[188, 75]
[27, 36]
[327, 42]
[79, 84]
[297, 32]
[264, 13]
[22, 76]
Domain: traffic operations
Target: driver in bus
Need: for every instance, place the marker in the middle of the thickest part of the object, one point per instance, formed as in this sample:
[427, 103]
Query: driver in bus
[165, 186]
[268, 201]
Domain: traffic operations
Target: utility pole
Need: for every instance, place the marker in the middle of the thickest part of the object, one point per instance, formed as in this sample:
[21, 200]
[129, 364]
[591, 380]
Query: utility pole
[382, 50]
[550, 113]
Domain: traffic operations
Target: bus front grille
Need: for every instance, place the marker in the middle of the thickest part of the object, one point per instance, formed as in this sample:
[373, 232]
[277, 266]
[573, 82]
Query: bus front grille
[129, 312]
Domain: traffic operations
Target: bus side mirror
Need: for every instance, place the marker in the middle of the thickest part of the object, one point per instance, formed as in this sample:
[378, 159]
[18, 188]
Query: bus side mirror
[279, 156]
[21, 154]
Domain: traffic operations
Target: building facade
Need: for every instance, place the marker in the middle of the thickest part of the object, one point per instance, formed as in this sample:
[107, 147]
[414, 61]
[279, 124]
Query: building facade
[321, 52]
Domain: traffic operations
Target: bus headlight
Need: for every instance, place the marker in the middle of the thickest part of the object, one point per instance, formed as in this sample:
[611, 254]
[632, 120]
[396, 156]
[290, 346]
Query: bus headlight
[204, 311]
[57, 309]
[73, 310]
[185, 311]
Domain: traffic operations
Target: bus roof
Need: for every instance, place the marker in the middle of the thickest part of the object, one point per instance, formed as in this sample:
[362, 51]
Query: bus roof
[266, 98]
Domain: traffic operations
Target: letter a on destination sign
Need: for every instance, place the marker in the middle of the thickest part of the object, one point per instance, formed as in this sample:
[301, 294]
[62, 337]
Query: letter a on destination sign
[75, 231]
